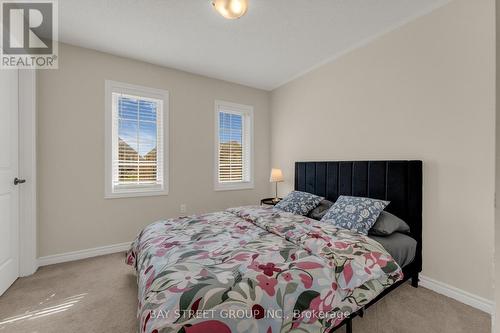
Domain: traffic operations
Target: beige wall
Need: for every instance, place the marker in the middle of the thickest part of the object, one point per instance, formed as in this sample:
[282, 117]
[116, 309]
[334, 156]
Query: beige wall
[73, 213]
[497, 175]
[425, 91]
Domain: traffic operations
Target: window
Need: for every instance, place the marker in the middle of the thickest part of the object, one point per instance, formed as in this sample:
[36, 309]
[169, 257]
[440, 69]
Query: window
[136, 140]
[234, 135]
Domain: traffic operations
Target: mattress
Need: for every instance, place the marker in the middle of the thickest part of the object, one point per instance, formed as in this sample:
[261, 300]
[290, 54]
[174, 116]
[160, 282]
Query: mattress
[400, 246]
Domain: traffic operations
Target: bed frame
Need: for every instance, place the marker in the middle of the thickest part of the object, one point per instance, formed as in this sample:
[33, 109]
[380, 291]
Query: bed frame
[399, 182]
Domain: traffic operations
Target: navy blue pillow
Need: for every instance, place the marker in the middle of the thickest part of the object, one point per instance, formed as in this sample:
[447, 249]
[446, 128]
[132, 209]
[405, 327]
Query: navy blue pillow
[299, 203]
[355, 213]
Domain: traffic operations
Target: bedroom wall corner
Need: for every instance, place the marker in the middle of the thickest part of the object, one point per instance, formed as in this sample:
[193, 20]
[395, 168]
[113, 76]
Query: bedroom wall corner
[424, 91]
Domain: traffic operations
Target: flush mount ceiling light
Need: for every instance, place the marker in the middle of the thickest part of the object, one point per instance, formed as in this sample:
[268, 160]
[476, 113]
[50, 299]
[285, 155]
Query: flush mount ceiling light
[231, 9]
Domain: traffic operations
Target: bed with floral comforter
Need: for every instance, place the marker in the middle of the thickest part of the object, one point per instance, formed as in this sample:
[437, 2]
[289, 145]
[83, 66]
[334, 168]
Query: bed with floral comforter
[254, 269]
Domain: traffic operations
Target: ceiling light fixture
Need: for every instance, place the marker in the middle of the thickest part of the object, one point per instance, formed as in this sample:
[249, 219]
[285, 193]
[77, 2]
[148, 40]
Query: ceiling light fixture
[231, 9]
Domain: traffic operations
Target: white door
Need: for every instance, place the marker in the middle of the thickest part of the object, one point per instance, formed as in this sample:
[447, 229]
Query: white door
[9, 193]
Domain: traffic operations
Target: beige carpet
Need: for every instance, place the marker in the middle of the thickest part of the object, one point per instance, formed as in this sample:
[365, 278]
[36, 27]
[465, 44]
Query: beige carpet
[99, 295]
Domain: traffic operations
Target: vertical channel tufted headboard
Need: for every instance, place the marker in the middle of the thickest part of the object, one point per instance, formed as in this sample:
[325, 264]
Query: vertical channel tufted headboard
[399, 182]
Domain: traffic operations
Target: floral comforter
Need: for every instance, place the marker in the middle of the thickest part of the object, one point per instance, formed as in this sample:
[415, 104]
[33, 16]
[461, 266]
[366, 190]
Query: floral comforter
[254, 269]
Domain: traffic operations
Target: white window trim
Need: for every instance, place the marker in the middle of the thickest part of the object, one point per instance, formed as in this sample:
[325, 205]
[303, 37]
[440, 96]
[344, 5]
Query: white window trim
[248, 113]
[125, 88]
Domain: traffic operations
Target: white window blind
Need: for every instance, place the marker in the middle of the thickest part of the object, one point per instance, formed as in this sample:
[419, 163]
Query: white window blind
[234, 125]
[137, 161]
[231, 166]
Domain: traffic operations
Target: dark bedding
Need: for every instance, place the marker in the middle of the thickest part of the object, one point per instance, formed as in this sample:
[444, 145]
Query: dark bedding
[400, 246]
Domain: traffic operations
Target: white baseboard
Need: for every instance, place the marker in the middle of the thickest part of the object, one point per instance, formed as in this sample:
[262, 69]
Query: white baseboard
[83, 254]
[462, 296]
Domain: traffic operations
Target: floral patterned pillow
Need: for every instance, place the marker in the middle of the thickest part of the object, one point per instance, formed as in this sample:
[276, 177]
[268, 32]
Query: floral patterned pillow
[299, 203]
[355, 213]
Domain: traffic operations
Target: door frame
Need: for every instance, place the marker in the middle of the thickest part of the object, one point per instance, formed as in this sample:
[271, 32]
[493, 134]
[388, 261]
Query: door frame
[27, 169]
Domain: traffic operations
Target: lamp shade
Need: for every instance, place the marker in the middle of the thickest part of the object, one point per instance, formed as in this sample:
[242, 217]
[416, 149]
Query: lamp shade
[276, 176]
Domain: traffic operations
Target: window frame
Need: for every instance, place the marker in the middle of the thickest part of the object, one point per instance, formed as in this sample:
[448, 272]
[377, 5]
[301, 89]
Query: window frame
[247, 112]
[110, 129]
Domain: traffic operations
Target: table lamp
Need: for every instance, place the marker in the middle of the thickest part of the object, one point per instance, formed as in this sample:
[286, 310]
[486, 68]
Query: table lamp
[276, 177]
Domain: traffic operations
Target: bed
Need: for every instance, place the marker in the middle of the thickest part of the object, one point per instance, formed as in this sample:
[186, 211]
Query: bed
[259, 269]
[397, 181]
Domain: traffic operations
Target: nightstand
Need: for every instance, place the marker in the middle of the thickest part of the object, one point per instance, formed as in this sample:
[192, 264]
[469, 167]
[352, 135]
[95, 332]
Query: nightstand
[269, 201]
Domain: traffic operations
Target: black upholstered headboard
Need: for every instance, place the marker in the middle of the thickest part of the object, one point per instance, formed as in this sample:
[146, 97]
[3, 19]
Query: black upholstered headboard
[399, 182]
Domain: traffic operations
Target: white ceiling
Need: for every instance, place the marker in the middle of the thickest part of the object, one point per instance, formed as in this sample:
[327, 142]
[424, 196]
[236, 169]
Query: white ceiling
[275, 42]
